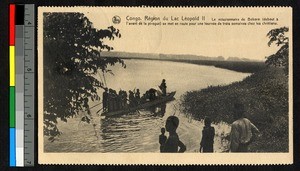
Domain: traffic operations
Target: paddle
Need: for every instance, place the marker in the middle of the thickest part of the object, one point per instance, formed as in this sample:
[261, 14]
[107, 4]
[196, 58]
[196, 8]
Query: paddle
[95, 105]
[136, 109]
[99, 110]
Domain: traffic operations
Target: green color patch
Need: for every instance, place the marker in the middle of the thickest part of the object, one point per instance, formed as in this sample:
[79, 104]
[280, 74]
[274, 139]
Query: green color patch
[12, 107]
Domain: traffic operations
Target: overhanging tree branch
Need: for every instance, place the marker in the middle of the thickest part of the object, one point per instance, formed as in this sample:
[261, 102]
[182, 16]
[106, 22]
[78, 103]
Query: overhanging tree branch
[72, 57]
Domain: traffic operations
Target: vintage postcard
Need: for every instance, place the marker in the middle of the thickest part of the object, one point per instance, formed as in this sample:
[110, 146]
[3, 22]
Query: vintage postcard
[149, 85]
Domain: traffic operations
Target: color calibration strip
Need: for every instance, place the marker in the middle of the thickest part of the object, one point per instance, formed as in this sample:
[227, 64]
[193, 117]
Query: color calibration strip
[21, 98]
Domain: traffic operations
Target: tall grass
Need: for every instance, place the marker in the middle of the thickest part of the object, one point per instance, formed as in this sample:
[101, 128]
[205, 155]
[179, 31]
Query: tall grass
[265, 96]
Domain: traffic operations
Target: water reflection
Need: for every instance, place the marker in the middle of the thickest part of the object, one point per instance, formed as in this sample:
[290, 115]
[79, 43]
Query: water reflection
[129, 133]
[139, 131]
[119, 132]
[158, 110]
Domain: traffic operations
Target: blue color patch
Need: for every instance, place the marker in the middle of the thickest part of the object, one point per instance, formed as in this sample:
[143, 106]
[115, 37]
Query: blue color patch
[12, 147]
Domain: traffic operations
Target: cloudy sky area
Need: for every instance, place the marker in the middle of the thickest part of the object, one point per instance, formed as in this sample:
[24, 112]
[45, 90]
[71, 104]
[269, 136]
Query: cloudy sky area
[227, 41]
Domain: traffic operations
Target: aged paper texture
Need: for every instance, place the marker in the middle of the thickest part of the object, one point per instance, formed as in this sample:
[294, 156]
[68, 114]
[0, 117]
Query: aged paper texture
[149, 85]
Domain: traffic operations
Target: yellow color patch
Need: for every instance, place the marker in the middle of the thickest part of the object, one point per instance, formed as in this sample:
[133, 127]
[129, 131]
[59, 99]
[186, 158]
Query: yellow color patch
[12, 66]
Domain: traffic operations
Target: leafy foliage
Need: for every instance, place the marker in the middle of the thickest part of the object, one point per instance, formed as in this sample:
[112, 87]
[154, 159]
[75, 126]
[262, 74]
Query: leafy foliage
[265, 96]
[281, 57]
[72, 57]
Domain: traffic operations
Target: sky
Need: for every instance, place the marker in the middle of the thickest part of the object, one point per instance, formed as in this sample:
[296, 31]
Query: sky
[212, 41]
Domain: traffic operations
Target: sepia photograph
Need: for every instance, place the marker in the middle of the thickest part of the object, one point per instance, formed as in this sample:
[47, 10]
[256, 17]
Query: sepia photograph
[137, 85]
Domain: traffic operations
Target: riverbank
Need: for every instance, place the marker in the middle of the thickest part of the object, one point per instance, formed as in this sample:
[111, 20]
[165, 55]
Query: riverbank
[239, 66]
[265, 95]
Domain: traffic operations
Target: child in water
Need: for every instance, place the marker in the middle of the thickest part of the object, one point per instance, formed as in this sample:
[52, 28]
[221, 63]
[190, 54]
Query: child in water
[162, 139]
[173, 142]
[208, 134]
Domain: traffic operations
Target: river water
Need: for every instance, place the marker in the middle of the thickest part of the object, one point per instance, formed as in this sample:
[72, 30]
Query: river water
[139, 131]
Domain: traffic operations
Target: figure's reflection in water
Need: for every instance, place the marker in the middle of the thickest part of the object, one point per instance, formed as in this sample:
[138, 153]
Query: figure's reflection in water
[123, 133]
[158, 110]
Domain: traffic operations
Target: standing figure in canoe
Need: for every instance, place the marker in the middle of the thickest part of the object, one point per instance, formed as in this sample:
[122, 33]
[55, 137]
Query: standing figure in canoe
[105, 100]
[163, 87]
[131, 99]
[119, 103]
[137, 96]
[124, 100]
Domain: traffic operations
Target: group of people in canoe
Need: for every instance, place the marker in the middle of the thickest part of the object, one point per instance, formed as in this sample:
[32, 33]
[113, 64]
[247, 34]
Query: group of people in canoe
[113, 101]
[241, 135]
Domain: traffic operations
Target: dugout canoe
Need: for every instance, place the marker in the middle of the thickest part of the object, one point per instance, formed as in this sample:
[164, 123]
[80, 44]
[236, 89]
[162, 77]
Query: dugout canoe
[160, 100]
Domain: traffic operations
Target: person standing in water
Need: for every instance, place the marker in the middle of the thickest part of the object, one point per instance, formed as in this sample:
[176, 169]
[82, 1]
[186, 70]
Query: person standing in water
[173, 142]
[110, 100]
[242, 130]
[105, 100]
[208, 134]
[162, 139]
[131, 99]
[137, 97]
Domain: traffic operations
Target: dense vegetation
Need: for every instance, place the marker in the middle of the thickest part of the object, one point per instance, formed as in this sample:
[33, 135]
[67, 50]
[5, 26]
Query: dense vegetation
[72, 49]
[281, 57]
[265, 96]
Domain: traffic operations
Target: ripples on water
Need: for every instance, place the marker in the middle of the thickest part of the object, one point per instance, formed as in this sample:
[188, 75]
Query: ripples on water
[139, 131]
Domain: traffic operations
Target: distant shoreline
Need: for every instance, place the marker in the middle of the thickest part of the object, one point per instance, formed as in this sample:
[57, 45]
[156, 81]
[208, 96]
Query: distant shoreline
[239, 66]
